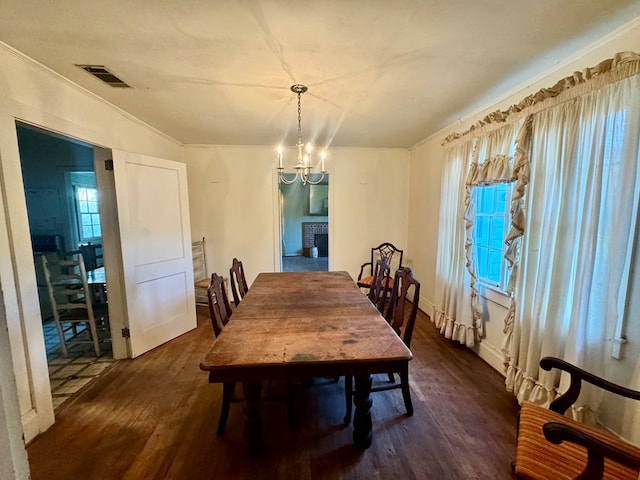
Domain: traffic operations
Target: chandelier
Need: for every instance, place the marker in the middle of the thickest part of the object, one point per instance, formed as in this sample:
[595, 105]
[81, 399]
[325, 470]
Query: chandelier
[303, 168]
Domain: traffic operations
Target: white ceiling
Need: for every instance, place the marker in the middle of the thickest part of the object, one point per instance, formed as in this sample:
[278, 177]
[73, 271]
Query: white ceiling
[381, 73]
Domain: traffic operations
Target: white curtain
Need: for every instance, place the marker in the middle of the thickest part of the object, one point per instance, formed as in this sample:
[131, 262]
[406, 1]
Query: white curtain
[579, 231]
[452, 311]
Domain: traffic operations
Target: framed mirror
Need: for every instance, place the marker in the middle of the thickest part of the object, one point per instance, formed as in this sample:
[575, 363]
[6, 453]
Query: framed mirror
[319, 200]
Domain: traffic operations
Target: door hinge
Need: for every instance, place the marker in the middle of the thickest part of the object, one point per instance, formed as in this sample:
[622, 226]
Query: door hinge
[126, 333]
[108, 165]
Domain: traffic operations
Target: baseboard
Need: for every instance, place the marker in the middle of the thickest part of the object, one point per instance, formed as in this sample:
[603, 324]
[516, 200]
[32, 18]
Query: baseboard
[491, 355]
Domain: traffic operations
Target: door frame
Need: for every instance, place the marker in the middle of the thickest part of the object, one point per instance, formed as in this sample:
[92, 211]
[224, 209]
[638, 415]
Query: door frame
[278, 220]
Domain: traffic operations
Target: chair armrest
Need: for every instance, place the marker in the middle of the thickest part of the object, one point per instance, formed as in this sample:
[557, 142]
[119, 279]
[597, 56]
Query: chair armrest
[362, 269]
[597, 450]
[564, 401]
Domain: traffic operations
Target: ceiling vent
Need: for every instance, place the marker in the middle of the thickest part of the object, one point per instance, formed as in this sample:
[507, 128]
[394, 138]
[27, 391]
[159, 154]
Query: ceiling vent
[101, 73]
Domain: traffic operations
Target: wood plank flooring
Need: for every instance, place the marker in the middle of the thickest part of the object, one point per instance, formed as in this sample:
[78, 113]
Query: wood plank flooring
[155, 417]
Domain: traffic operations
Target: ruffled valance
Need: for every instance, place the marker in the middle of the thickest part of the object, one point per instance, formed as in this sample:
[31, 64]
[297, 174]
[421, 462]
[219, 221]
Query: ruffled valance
[622, 65]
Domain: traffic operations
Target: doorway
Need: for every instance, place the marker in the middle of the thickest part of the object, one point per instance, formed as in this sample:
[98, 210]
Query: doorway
[62, 207]
[304, 221]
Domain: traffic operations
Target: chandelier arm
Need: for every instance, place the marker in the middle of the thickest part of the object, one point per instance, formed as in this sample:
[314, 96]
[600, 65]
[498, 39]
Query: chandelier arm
[317, 181]
[287, 181]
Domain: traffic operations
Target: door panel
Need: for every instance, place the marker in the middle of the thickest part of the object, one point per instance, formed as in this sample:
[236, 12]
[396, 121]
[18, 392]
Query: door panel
[155, 237]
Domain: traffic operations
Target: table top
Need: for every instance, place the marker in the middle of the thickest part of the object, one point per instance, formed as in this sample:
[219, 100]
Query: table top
[304, 323]
[96, 276]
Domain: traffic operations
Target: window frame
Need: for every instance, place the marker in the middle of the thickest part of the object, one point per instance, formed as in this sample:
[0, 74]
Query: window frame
[486, 283]
[79, 225]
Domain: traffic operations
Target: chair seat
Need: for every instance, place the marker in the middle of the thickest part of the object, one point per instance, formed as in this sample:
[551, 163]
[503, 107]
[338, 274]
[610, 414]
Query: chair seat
[537, 458]
[367, 281]
[204, 283]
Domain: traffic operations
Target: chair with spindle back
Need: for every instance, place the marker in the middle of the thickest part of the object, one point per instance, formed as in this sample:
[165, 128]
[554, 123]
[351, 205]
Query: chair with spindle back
[388, 251]
[380, 285]
[71, 302]
[402, 319]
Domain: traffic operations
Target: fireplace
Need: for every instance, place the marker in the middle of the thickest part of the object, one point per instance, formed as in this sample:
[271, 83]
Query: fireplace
[322, 243]
[315, 234]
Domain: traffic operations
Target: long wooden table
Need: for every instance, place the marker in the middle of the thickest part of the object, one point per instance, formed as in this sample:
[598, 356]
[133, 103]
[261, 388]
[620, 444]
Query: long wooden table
[300, 325]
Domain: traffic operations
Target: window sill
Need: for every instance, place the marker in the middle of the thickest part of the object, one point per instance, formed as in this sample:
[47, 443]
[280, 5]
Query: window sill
[494, 295]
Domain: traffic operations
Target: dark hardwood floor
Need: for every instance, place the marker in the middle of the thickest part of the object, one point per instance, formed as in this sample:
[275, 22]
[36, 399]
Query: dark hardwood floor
[155, 417]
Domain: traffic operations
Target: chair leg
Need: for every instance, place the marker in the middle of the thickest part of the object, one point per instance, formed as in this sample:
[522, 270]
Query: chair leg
[94, 337]
[392, 378]
[291, 417]
[348, 397]
[406, 392]
[227, 395]
[63, 340]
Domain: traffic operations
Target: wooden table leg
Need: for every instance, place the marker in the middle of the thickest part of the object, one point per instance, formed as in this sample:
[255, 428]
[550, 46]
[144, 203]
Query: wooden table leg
[253, 418]
[362, 416]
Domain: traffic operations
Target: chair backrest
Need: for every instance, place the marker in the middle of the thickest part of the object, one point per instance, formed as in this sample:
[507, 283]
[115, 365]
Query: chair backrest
[388, 251]
[199, 257]
[379, 290]
[219, 308]
[92, 255]
[404, 285]
[239, 286]
[67, 285]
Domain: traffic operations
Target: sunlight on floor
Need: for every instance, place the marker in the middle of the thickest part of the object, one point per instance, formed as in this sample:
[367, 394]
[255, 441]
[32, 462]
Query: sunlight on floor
[69, 375]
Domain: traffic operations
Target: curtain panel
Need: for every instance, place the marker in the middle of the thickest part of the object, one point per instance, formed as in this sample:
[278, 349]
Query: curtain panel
[452, 311]
[574, 211]
[580, 233]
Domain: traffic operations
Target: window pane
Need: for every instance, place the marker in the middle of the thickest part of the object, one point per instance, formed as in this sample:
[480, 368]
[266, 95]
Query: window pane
[92, 194]
[501, 197]
[486, 199]
[497, 232]
[495, 264]
[85, 219]
[93, 207]
[97, 232]
[95, 219]
[482, 231]
[82, 194]
[87, 232]
[83, 207]
[483, 254]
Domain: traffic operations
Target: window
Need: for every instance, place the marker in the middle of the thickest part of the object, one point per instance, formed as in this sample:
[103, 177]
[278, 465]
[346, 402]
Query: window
[489, 231]
[88, 216]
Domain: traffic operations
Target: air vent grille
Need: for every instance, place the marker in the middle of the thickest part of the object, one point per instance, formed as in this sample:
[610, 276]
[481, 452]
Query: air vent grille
[101, 73]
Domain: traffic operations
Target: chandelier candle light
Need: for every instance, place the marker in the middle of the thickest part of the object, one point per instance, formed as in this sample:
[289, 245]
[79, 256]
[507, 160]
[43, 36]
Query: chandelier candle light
[303, 169]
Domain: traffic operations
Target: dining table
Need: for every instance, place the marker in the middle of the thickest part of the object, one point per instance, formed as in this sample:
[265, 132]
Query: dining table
[97, 280]
[296, 325]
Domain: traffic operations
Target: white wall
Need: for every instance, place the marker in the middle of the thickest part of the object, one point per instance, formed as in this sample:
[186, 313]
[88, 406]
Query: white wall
[233, 204]
[34, 94]
[426, 164]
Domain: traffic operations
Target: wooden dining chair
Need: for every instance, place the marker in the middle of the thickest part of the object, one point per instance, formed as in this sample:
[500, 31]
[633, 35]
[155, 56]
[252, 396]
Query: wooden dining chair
[550, 445]
[220, 312]
[219, 308]
[239, 286]
[72, 303]
[401, 315]
[381, 284]
[386, 250]
[200, 278]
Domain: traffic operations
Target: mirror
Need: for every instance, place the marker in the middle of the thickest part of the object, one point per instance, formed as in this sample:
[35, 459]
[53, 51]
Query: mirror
[319, 200]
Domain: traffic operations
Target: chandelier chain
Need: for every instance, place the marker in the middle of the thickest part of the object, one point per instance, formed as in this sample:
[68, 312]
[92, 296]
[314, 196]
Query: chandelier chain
[299, 119]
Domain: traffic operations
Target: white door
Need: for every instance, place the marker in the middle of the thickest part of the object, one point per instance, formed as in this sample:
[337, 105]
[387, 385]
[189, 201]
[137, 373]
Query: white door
[155, 237]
